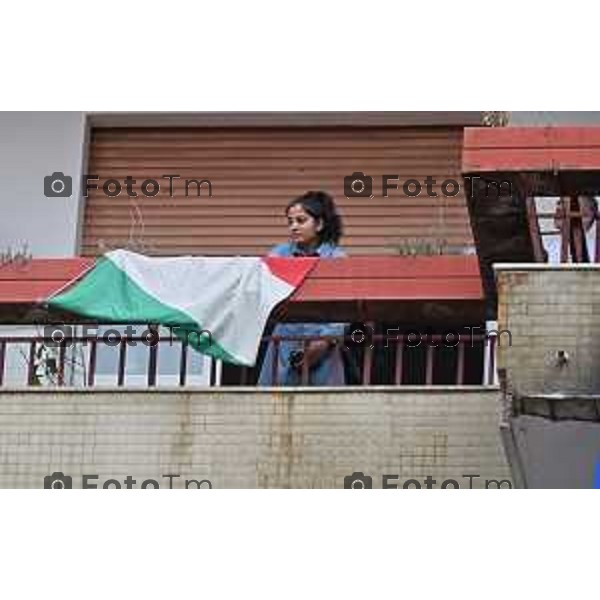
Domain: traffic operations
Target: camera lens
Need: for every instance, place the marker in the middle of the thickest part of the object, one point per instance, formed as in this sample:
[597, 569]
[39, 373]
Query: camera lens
[58, 484]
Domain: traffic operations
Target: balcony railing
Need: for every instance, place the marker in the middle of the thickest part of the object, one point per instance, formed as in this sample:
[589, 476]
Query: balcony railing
[94, 361]
[564, 229]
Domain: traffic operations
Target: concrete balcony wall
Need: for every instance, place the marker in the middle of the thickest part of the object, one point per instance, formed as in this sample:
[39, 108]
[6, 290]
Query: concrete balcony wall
[250, 438]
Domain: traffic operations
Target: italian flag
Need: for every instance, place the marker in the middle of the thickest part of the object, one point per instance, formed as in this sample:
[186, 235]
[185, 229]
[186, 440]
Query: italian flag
[229, 297]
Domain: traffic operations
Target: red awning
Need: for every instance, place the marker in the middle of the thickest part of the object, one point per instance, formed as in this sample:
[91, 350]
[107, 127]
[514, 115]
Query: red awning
[34, 281]
[551, 149]
[369, 278]
[434, 289]
[350, 288]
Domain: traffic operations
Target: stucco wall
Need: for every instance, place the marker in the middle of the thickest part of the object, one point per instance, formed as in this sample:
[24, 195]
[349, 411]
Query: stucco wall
[32, 146]
[248, 438]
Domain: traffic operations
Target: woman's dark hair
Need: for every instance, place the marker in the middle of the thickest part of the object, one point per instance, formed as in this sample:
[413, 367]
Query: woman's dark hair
[320, 205]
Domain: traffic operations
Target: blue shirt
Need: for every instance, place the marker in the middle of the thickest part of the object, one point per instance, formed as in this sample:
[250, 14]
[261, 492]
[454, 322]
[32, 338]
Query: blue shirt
[330, 370]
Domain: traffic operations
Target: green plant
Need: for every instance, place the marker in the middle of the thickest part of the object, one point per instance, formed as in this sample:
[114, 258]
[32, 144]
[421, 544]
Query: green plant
[495, 118]
[421, 247]
[18, 257]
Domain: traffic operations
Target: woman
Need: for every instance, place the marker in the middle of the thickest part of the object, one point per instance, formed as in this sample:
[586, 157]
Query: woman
[315, 229]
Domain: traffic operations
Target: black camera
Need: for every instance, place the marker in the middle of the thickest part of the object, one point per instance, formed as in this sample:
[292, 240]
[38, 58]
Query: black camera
[358, 185]
[358, 481]
[58, 185]
[58, 481]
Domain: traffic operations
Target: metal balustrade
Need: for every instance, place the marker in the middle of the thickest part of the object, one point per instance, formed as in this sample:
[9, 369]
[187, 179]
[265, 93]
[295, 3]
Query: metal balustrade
[389, 359]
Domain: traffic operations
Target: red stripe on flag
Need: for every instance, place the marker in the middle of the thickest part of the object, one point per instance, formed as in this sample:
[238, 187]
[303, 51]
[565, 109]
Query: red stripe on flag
[291, 270]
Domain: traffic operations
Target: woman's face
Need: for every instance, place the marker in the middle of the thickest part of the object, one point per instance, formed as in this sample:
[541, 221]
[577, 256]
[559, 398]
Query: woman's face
[304, 228]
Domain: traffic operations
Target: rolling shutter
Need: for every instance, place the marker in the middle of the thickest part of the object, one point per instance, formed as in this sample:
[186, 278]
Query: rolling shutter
[254, 172]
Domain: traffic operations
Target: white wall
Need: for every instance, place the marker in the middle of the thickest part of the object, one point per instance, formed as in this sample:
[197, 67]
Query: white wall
[33, 145]
[554, 117]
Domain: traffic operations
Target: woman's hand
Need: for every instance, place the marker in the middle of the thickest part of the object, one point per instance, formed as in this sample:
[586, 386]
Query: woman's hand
[315, 351]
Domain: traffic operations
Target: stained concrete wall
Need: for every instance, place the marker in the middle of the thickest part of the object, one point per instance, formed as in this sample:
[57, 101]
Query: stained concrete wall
[548, 309]
[558, 454]
[249, 438]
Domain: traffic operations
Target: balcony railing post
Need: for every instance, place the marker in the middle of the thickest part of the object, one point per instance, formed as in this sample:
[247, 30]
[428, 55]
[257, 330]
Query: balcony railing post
[399, 362]
[534, 229]
[62, 349]
[2, 355]
[92, 362]
[460, 363]
[153, 355]
[183, 362]
[596, 257]
[429, 366]
[368, 356]
[493, 349]
[579, 242]
[565, 229]
[122, 359]
[31, 363]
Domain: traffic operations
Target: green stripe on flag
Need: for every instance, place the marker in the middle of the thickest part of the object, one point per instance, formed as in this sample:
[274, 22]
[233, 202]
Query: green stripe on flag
[107, 294]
